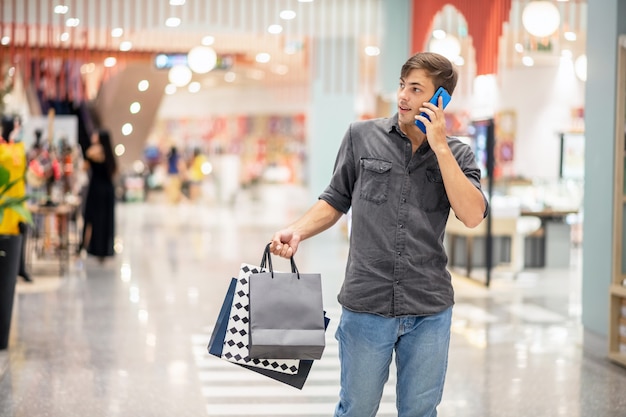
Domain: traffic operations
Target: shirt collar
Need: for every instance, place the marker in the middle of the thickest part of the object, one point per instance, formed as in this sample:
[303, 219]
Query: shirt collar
[392, 123]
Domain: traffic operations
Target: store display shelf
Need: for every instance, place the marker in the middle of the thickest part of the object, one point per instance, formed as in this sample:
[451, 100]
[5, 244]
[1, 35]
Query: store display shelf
[618, 357]
[618, 290]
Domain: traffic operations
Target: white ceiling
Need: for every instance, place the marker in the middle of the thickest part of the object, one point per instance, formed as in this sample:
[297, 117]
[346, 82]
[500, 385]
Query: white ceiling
[240, 29]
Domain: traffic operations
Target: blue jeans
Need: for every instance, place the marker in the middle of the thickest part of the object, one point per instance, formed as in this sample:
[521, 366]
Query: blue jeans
[366, 344]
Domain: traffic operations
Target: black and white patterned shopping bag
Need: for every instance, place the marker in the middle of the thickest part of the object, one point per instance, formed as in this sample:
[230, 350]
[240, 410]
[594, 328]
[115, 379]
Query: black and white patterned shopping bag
[237, 334]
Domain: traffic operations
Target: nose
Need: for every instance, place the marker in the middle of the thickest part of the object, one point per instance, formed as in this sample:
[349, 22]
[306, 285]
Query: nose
[401, 92]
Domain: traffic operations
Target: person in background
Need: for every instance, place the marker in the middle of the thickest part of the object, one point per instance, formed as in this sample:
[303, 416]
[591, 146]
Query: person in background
[99, 209]
[397, 294]
[7, 127]
[17, 134]
[66, 156]
[196, 174]
[175, 170]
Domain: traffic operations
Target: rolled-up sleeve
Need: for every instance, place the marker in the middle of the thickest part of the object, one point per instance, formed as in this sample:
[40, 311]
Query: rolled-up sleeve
[339, 192]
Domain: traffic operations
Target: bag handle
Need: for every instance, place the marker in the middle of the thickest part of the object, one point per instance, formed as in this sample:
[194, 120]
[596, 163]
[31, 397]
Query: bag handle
[267, 261]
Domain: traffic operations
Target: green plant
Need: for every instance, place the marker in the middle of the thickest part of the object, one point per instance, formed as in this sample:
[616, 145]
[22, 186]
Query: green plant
[9, 202]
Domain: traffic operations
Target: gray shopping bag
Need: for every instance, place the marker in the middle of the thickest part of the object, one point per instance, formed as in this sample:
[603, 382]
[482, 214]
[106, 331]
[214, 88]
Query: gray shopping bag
[286, 314]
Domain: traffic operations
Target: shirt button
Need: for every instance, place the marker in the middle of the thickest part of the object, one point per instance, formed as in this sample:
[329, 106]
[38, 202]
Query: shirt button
[404, 200]
[401, 226]
[398, 253]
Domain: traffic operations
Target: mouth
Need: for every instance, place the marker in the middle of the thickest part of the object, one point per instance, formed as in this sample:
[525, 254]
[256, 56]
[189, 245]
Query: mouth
[403, 109]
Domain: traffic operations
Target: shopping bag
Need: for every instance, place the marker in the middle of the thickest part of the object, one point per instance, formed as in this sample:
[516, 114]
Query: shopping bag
[216, 345]
[219, 331]
[286, 313]
[237, 335]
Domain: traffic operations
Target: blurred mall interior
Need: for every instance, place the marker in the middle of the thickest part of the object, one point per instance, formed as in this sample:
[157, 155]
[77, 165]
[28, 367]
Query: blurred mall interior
[254, 97]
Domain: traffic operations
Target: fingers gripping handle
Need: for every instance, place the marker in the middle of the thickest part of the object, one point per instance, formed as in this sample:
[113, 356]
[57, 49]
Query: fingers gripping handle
[266, 261]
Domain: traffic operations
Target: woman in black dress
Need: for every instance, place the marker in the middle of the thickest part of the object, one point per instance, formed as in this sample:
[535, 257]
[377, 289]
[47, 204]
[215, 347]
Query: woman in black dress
[99, 212]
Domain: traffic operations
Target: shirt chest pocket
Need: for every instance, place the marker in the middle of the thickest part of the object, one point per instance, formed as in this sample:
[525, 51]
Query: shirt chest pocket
[375, 174]
[433, 193]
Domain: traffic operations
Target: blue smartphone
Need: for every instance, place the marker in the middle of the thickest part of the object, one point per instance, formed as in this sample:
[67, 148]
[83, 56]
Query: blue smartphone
[435, 100]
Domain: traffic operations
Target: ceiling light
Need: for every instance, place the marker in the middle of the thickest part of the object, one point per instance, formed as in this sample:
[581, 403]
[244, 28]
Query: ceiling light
[541, 18]
[439, 34]
[287, 14]
[179, 75]
[127, 129]
[263, 57]
[126, 46]
[5, 40]
[172, 22]
[161, 61]
[519, 47]
[208, 40]
[372, 50]
[143, 85]
[177, 2]
[275, 29]
[459, 61]
[566, 53]
[570, 36]
[64, 37]
[194, 87]
[135, 107]
[110, 62]
[201, 59]
[580, 67]
[138, 167]
[528, 61]
[120, 149]
[72, 22]
[170, 89]
[117, 32]
[61, 9]
[230, 76]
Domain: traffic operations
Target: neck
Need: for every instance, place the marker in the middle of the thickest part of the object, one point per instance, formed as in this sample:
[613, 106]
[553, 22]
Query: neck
[415, 135]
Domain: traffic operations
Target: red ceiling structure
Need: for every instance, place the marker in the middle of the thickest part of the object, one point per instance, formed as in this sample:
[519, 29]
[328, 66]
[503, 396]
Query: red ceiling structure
[485, 19]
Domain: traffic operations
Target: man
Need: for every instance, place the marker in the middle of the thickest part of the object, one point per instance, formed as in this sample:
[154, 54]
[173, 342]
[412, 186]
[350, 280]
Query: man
[397, 293]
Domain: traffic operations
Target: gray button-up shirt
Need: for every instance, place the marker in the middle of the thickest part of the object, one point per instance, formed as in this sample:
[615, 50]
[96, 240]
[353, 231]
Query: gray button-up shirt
[397, 261]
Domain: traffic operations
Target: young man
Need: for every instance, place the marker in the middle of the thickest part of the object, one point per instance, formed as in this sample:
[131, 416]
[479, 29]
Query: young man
[397, 293]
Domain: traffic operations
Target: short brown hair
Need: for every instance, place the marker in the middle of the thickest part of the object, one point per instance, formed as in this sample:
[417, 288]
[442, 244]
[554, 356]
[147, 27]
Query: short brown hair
[438, 67]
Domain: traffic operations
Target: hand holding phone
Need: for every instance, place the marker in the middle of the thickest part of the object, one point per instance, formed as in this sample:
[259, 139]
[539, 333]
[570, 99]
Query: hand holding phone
[434, 100]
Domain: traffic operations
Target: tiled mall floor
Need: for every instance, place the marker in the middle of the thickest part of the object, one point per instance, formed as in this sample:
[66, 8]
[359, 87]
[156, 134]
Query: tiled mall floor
[128, 338]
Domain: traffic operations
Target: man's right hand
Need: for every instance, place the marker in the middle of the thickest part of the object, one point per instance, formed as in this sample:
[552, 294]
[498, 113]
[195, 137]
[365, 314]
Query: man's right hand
[285, 243]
